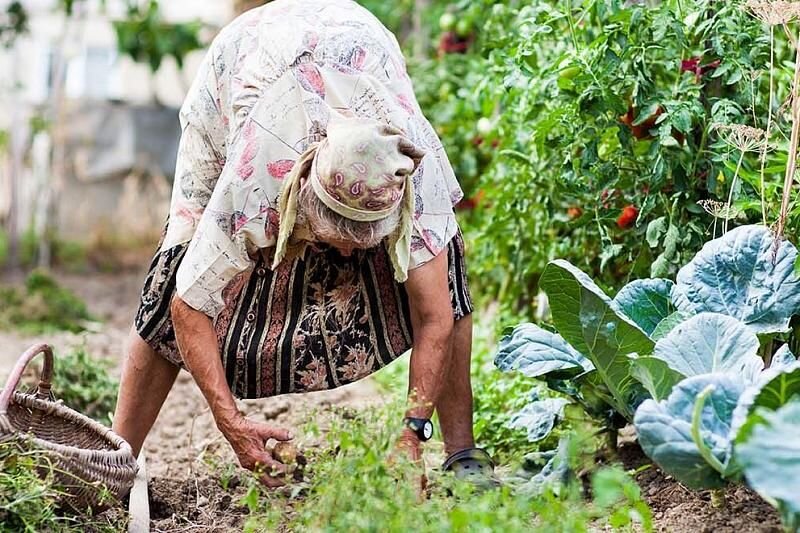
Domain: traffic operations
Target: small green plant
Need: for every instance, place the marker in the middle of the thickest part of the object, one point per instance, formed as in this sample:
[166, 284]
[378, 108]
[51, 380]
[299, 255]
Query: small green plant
[42, 306]
[615, 492]
[29, 496]
[85, 384]
[353, 487]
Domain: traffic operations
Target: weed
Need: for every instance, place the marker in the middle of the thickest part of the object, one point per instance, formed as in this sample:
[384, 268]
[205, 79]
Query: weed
[352, 488]
[29, 496]
[27, 499]
[85, 384]
[42, 306]
[615, 492]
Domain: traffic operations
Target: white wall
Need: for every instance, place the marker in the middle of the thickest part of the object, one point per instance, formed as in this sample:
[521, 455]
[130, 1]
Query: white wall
[95, 70]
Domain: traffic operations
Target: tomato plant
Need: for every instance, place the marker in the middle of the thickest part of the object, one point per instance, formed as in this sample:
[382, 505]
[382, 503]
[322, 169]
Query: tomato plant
[564, 118]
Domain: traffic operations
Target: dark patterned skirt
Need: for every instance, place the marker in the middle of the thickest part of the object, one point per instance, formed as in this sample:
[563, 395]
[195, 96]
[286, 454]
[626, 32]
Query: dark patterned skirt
[314, 323]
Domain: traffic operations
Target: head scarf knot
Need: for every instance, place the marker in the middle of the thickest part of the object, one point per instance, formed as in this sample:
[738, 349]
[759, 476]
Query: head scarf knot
[362, 170]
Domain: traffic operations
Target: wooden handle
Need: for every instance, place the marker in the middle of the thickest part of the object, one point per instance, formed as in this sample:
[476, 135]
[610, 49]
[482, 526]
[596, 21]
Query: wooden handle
[43, 391]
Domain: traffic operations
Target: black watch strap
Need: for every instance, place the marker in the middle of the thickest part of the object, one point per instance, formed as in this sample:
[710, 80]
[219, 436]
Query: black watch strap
[423, 427]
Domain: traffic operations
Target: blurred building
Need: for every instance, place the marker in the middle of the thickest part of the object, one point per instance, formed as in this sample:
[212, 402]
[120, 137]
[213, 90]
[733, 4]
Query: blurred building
[108, 167]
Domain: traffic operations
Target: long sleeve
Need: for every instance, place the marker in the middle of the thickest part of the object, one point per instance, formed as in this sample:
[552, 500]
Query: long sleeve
[202, 148]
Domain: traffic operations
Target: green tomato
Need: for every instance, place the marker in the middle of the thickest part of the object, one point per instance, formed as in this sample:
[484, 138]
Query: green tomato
[569, 73]
[447, 21]
[463, 28]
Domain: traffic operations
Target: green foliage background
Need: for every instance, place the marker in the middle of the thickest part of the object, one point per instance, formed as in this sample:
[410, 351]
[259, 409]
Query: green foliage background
[559, 163]
[41, 306]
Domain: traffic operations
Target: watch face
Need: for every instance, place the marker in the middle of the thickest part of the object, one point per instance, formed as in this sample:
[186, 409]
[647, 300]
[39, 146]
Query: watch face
[427, 430]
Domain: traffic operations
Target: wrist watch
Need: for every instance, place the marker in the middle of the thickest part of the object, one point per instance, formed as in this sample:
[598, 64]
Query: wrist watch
[423, 427]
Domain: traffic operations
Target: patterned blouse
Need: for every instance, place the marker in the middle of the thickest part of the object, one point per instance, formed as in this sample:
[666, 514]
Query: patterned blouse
[266, 89]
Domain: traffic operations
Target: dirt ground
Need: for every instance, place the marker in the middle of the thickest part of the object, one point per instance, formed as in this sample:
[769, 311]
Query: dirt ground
[188, 461]
[677, 509]
[185, 453]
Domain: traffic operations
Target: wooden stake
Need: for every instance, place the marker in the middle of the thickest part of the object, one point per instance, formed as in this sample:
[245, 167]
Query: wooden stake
[791, 166]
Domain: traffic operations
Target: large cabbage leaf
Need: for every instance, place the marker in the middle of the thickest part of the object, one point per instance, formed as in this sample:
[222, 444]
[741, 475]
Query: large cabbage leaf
[711, 342]
[665, 429]
[735, 275]
[770, 459]
[536, 352]
[646, 301]
[538, 417]
[655, 375]
[775, 387]
[587, 320]
[783, 357]
[668, 324]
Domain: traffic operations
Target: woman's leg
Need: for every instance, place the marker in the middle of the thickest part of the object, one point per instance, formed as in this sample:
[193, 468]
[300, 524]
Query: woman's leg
[146, 380]
[455, 403]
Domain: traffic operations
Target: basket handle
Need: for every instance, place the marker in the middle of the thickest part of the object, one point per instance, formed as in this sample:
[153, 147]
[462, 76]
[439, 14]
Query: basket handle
[43, 390]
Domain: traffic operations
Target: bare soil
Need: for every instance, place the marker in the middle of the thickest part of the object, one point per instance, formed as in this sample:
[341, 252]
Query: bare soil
[195, 484]
[677, 509]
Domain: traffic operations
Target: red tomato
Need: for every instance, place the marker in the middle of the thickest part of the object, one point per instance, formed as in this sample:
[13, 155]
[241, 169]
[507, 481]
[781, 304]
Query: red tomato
[628, 217]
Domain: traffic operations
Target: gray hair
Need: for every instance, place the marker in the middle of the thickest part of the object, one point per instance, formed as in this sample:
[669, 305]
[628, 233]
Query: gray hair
[327, 224]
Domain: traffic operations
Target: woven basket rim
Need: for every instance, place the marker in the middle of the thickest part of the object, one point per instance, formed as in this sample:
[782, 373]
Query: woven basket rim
[121, 452]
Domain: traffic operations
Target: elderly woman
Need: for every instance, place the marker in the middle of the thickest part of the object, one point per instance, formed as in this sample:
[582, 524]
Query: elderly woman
[311, 238]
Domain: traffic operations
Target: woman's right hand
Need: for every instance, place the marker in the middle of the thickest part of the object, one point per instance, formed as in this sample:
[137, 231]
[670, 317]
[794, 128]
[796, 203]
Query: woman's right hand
[248, 440]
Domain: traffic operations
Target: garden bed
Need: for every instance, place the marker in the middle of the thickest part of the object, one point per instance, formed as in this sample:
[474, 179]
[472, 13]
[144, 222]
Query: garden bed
[195, 485]
[677, 509]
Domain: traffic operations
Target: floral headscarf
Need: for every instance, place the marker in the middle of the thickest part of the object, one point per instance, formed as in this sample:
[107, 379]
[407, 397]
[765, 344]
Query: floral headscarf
[361, 171]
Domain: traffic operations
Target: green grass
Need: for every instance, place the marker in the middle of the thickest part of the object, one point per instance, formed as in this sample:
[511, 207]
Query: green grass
[85, 384]
[29, 496]
[42, 306]
[353, 488]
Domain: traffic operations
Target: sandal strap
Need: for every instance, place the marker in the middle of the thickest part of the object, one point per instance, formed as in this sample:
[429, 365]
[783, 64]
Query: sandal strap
[475, 454]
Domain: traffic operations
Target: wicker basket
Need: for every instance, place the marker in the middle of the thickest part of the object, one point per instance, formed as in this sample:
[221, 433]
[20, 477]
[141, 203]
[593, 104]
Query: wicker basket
[90, 462]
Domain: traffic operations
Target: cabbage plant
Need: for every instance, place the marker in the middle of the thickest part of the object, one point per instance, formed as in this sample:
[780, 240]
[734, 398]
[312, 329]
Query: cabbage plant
[681, 360]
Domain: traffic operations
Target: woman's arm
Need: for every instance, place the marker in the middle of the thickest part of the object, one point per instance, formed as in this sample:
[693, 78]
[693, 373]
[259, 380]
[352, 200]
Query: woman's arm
[197, 342]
